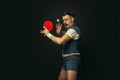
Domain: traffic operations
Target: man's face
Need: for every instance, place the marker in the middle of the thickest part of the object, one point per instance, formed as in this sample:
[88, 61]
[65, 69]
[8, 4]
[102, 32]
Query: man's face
[67, 20]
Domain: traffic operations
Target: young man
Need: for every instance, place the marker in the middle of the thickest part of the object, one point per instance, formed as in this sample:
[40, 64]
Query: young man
[70, 42]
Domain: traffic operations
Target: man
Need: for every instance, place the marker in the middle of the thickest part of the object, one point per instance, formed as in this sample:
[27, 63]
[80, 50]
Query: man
[70, 41]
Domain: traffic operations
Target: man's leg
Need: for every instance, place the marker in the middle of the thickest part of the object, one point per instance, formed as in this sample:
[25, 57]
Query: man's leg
[63, 75]
[71, 75]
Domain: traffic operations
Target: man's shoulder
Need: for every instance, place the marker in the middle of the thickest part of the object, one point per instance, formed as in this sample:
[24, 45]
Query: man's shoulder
[75, 28]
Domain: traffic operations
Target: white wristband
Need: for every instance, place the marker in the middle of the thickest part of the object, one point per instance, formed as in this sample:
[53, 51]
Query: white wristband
[49, 35]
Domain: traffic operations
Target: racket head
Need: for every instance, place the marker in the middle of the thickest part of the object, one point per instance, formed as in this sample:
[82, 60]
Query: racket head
[48, 24]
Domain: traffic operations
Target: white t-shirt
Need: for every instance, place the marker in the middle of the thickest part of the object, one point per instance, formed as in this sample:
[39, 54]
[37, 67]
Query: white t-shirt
[73, 34]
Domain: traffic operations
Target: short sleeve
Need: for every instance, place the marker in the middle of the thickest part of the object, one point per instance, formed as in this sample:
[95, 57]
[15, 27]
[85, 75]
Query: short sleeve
[72, 33]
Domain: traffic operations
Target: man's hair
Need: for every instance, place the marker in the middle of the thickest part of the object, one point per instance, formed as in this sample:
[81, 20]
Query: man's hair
[69, 13]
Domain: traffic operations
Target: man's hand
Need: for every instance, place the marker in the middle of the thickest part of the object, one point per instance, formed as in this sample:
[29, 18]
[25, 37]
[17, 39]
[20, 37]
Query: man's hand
[58, 28]
[45, 31]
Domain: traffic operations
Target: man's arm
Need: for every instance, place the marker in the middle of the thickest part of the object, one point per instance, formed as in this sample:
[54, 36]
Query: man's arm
[58, 29]
[60, 40]
[57, 40]
[70, 34]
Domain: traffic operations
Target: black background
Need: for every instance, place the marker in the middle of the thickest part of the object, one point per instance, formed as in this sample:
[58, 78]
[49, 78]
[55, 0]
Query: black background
[98, 21]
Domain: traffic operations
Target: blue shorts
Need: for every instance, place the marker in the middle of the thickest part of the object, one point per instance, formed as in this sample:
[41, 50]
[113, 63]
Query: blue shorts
[71, 62]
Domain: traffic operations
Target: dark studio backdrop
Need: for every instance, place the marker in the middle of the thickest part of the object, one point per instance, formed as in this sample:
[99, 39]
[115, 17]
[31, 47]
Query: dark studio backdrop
[99, 26]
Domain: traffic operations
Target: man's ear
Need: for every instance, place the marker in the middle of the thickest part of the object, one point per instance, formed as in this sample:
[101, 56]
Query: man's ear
[72, 18]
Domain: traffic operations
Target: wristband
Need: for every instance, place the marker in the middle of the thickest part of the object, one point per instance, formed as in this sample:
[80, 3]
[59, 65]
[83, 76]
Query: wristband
[49, 35]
